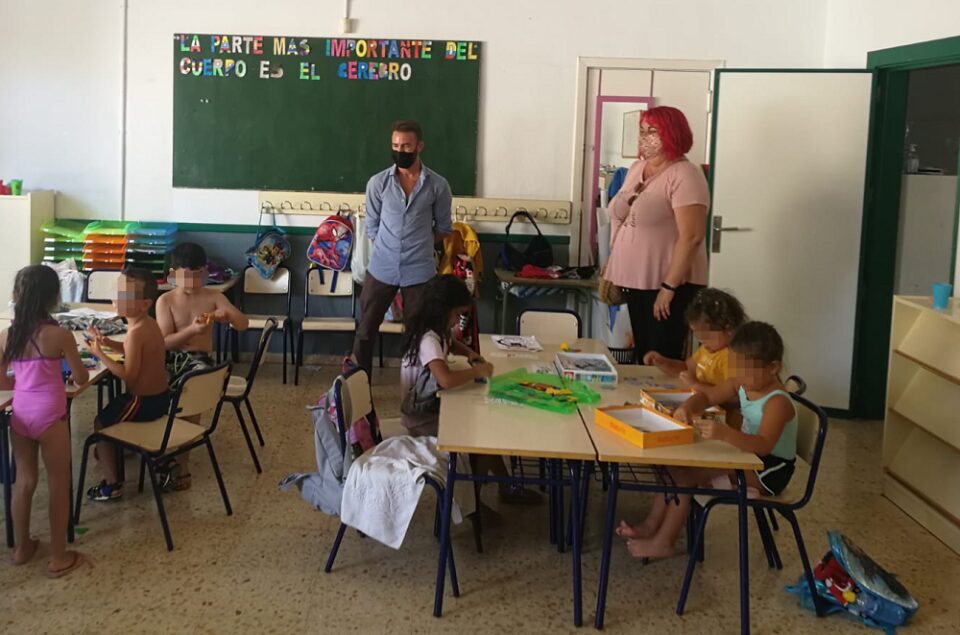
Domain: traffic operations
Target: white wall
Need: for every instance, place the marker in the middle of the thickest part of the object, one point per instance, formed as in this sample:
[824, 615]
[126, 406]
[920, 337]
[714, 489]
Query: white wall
[61, 101]
[61, 129]
[856, 27]
[61, 98]
[529, 71]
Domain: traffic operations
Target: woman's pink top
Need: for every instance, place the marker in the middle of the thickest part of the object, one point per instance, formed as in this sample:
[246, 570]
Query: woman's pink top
[642, 236]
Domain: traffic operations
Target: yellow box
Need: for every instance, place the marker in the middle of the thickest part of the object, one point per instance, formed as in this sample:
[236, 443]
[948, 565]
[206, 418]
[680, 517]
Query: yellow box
[643, 427]
[666, 400]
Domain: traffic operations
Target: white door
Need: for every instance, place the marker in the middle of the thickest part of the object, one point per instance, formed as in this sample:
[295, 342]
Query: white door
[789, 163]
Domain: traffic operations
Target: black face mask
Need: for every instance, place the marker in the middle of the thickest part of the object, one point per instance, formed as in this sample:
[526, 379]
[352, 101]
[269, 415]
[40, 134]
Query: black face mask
[404, 159]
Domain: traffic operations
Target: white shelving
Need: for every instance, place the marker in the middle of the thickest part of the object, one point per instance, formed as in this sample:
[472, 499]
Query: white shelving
[921, 441]
[22, 242]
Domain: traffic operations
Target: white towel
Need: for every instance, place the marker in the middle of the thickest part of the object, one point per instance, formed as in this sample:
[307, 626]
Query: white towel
[384, 485]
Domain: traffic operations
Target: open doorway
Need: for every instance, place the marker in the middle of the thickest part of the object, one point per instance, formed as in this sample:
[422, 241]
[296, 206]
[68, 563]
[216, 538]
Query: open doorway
[928, 193]
[884, 272]
[601, 82]
[611, 93]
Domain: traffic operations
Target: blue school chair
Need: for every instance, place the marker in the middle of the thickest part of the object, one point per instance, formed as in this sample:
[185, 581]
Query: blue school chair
[353, 402]
[811, 435]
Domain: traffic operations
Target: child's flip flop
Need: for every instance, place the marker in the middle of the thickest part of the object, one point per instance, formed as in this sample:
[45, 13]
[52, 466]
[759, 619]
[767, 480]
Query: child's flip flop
[78, 560]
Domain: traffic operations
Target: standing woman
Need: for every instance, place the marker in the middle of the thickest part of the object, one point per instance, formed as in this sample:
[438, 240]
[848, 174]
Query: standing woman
[658, 223]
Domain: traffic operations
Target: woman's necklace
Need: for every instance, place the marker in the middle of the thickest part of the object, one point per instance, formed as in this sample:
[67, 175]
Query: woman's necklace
[645, 179]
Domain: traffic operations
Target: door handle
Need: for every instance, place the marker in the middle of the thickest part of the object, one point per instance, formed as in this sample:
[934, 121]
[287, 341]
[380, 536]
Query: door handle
[718, 229]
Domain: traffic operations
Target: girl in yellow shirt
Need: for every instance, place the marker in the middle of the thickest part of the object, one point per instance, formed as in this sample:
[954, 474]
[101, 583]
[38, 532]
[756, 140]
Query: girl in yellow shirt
[713, 316]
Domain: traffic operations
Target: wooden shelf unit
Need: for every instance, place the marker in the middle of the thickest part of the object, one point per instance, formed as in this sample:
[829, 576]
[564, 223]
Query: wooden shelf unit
[921, 439]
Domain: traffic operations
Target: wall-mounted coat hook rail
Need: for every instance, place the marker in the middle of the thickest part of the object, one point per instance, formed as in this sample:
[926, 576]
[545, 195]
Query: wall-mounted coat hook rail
[464, 208]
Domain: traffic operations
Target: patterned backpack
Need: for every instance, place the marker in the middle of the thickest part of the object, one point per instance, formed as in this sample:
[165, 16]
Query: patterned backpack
[332, 243]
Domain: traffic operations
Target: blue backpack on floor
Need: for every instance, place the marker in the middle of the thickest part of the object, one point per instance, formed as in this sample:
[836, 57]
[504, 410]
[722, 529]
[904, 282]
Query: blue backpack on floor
[848, 580]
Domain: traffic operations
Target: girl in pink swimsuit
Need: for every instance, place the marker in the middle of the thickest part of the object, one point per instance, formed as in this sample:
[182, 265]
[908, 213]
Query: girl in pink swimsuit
[35, 347]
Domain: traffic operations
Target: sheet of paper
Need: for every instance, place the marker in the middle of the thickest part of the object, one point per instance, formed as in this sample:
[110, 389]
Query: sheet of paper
[516, 342]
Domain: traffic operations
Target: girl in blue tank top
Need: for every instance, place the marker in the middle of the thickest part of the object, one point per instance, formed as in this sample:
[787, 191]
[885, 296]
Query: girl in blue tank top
[769, 430]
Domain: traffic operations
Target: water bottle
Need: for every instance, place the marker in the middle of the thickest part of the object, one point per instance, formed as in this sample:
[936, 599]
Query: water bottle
[913, 160]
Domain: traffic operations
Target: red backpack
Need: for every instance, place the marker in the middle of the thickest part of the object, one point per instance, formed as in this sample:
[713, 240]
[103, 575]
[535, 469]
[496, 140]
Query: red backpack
[332, 243]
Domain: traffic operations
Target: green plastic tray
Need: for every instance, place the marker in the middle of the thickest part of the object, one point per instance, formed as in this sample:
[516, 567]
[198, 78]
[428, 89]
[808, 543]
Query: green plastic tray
[533, 389]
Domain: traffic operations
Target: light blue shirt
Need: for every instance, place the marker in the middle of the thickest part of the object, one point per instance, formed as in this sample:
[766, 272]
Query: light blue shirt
[402, 230]
[752, 413]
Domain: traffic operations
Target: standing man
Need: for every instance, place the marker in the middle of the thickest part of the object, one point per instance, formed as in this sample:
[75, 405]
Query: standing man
[408, 210]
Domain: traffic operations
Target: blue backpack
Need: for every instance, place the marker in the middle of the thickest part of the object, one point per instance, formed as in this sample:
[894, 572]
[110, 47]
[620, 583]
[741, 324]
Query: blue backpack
[848, 580]
[270, 248]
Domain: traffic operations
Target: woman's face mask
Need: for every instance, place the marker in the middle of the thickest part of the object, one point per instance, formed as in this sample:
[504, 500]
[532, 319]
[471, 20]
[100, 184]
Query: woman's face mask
[650, 144]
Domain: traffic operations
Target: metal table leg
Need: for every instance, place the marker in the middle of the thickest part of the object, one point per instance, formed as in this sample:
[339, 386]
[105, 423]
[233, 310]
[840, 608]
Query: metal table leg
[607, 544]
[575, 522]
[445, 534]
[744, 556]
[6, 475]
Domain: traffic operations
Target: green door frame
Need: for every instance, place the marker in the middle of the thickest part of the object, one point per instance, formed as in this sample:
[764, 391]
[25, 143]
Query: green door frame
[881, 216]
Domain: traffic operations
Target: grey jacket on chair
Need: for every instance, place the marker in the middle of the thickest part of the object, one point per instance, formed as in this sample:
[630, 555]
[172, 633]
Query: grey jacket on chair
[323, 489]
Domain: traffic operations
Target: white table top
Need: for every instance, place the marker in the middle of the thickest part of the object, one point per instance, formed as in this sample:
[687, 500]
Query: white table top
[504, 361]
[470, 422]
[614, 448]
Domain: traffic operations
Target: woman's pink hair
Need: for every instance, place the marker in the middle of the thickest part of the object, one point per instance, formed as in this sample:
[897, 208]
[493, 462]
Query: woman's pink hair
[674, 130]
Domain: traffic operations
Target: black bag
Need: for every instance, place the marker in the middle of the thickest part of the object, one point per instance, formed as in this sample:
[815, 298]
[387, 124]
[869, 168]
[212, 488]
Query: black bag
[538, 251]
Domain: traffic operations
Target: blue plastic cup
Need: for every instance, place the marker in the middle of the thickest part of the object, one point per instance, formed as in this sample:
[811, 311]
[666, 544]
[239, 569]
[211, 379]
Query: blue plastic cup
[941, 295]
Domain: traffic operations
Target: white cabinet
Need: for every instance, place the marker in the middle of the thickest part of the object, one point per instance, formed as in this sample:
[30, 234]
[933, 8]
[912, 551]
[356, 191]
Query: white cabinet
[925, 239]
[921, 436]
[21, 240]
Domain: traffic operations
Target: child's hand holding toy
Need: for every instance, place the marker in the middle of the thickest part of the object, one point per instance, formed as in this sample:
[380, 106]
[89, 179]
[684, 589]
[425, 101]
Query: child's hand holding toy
[202, 323]
[710, 429]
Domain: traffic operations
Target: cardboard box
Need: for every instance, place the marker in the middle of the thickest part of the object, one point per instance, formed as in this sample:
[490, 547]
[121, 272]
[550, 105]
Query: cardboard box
[643, 427]
[586, 367]
[666, 400]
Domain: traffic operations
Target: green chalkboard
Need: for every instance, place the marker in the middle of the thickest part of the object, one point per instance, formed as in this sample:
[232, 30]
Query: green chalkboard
[314, 114]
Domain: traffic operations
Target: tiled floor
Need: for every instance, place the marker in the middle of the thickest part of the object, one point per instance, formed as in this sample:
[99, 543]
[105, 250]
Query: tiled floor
[261, 569]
